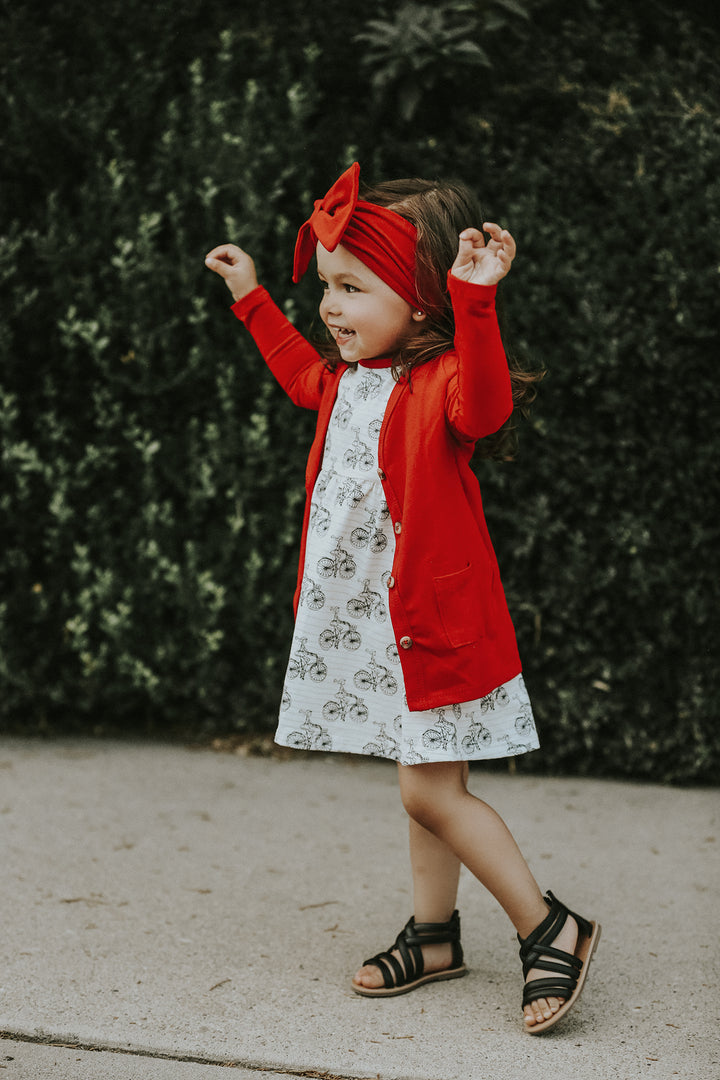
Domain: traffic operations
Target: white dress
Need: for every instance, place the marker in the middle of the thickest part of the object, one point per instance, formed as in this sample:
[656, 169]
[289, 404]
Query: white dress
[344, 687]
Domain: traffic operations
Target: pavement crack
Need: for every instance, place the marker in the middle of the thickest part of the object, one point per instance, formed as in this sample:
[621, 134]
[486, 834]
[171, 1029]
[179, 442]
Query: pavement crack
[159, 1055]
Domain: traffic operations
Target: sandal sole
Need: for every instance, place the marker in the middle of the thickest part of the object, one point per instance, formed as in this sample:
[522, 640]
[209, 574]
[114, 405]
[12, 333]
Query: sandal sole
[584, 953]
[394, 991]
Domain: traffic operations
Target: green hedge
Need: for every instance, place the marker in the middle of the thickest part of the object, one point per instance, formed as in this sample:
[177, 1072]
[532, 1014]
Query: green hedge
[152, 472]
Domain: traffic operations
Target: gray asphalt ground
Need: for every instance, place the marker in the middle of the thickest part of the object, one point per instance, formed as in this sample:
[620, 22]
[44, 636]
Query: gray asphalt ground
[180, 914]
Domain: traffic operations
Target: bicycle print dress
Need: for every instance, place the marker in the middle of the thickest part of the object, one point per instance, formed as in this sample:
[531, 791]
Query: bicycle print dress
[344, 686]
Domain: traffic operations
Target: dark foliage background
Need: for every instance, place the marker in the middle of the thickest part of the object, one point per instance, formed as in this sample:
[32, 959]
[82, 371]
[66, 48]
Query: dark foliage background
[150, 490]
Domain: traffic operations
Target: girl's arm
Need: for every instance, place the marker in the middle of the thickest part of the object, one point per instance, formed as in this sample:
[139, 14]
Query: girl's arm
[293, 361]
[479, 398]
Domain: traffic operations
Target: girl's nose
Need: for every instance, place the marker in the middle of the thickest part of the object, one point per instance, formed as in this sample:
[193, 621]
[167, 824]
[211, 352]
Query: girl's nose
[330, 305]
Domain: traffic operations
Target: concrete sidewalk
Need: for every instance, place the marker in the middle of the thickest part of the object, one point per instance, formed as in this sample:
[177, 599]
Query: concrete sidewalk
[171, 913]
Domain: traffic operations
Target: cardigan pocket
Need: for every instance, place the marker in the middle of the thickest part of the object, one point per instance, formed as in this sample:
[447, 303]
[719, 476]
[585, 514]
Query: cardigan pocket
[459, 600]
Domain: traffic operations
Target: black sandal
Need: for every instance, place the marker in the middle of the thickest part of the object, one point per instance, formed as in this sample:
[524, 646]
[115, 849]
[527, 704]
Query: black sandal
[401, 978]
[569, 969]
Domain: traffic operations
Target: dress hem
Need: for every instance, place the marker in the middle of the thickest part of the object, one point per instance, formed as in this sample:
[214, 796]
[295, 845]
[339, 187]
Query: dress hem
[523, 749]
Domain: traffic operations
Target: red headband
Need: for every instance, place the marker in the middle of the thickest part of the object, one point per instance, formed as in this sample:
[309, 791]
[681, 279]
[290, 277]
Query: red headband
[380, 238]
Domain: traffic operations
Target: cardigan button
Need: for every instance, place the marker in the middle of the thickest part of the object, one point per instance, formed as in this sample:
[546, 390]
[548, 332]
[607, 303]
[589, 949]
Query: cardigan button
[391, 582]
[406, 642]
[398, 527]
[381, 474]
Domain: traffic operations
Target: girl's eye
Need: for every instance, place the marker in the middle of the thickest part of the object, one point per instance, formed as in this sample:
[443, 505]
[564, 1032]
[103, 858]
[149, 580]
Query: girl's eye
[346, 286]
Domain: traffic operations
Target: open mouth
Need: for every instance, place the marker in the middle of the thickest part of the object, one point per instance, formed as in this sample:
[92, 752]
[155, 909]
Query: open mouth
[342, 333]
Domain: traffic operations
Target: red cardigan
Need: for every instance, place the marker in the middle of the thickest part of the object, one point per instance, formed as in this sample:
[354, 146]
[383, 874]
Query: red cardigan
[447, 606]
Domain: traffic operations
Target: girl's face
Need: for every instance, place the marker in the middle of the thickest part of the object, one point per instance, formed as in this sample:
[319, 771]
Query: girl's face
[365, 317]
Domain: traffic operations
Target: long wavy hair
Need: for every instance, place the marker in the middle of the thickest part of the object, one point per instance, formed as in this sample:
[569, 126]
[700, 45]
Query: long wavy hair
[440, 211]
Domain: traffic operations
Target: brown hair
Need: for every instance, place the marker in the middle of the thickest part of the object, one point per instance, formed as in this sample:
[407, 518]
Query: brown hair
[439, 212]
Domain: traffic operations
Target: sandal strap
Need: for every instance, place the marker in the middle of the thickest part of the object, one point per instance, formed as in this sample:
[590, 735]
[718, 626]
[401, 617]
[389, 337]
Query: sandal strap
[390, 969]
[546, 931]
[545, 988]
[542, 957]
[409, 944]
[537, 951]
[584, 925]
[447, 933]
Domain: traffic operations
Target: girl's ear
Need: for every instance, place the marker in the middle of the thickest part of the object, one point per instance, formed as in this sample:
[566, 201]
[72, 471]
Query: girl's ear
[419, 316]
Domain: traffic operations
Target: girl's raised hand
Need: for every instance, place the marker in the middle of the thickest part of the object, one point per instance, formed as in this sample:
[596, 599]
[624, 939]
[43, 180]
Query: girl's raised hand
[483, 263]
[235, 266]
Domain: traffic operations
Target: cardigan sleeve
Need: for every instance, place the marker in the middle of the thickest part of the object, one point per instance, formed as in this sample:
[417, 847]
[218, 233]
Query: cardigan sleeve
[296, 365]
[479, 395]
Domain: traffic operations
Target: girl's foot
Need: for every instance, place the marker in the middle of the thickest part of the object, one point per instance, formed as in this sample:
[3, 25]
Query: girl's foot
[555, 958]
[435, 958]
[422, 953]
[544, 1008]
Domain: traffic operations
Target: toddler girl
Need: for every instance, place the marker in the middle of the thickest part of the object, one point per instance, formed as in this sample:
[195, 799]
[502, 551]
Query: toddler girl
[403, 645]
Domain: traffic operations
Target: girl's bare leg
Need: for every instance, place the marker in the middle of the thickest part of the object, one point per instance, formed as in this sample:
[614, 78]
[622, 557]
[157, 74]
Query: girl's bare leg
[435, 873]
[436, 797]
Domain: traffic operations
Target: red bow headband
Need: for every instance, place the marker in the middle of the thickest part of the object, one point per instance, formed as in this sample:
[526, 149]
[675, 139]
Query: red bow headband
[380, 238]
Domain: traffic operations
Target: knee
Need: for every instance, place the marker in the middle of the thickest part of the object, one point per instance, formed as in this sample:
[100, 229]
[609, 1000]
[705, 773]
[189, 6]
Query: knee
[419, 807]
[429, 795]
